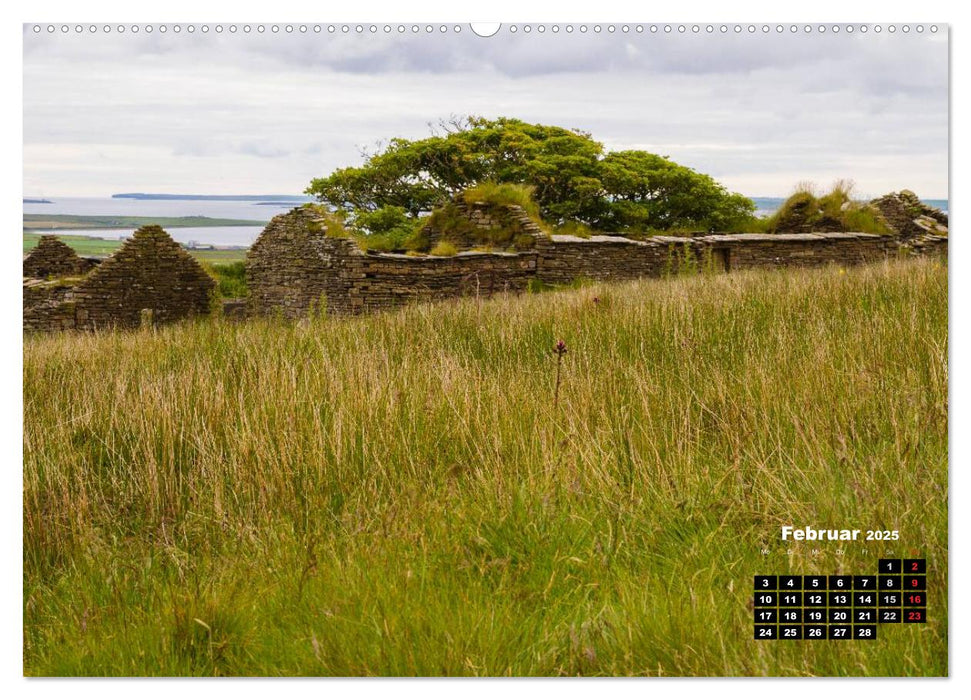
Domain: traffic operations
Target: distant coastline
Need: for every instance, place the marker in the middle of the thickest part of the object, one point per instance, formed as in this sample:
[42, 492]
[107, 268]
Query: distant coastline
[45, 222]
[215, 197]
[37, 201]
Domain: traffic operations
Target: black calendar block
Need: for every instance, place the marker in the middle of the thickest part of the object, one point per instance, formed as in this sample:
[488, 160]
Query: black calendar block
[766, 583]
[790, 599]
[814, 583]
[814, 632]
[865, 599]
[840, 583]
[766, 600]
[864, 631]
[915, 583]
[814, 616]
[889, 615]
[790, 617]
[814, 600]
[766, 616]
[915, 566]
[840, 599]
[864, 616]
[840, 632]
[888, 583]
[890, 566]
[766, 632]
[890, 600]
[917, 599]
[840, 615]
[790, 631]
[790, 583]
[864, 583]
[915, 614]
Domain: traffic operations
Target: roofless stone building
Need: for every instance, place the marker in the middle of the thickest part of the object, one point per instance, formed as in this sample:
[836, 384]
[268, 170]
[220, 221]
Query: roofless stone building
[150, 272]
[295, 267]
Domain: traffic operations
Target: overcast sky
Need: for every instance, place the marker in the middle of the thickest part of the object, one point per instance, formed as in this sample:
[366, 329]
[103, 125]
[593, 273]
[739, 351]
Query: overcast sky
[249, 113]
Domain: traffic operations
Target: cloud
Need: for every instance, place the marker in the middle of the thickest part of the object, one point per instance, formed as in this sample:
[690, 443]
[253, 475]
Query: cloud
[231, 112]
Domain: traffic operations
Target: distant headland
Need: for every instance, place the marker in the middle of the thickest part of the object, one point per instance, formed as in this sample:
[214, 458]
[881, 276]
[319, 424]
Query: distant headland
[216, 197]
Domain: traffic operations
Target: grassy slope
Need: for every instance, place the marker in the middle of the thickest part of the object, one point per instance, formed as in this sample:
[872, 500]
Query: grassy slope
[399, 494]
[86, 245]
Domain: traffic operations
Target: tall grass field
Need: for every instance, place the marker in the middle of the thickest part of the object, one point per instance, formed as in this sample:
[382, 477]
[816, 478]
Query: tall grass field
[414, 493]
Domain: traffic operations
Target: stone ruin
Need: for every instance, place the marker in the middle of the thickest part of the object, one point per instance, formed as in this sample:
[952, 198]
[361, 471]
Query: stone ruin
[295, 268]
[909, 217]
[150, 278]
[54, 258]
[903, 213]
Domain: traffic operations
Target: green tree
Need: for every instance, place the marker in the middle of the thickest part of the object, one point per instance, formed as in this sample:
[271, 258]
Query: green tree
[647, 191]
[572, 177]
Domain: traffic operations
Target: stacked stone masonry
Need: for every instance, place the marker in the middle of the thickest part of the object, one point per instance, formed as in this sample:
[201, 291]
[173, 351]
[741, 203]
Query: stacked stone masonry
[149, 272]
[908, 217]
[295, 268]
[360, 282]
[54, 258]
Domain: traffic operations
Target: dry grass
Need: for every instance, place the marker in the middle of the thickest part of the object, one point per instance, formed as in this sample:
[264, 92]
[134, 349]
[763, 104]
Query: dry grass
[399, 495]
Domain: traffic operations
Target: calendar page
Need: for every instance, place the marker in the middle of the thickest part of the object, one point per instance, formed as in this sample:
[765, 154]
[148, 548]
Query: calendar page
[424, 349]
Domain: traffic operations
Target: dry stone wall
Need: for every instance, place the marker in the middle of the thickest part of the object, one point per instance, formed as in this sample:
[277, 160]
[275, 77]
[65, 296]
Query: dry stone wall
[54, 315]
[566, 258]
[149, 272]
[372, 282]
[563, 259]
[754, 250]
[295, 267]
[38, 292]
[926, 246]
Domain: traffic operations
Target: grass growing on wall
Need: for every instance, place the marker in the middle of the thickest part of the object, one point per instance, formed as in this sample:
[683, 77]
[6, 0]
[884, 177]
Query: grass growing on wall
[836, 209]
[398, 494]
[503, 194]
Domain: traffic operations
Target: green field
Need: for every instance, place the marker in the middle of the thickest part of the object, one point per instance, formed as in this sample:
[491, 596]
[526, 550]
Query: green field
[99, 247]
[405, 494]
[46, 222]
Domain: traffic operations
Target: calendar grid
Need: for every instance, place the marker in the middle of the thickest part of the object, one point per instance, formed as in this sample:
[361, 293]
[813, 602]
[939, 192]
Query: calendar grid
[840, 606]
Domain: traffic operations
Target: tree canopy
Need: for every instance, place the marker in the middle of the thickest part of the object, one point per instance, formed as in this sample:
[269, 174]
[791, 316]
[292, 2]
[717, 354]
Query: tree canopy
[573, 178]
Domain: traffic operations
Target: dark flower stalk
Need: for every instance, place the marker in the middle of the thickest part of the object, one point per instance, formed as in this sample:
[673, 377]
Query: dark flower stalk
[560, 350]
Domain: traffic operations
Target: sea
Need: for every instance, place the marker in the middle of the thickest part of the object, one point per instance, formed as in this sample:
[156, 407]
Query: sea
[765, 206]
[224, 236]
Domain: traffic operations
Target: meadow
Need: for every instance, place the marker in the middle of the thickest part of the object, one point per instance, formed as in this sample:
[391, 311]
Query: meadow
[416, 493]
